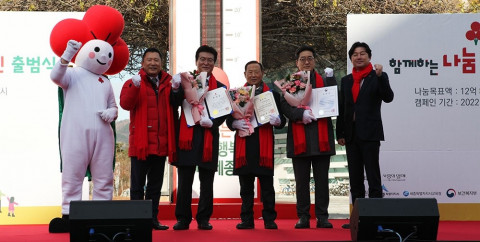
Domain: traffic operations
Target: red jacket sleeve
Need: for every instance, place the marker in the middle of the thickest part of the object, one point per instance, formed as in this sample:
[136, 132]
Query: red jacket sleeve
[129, 95]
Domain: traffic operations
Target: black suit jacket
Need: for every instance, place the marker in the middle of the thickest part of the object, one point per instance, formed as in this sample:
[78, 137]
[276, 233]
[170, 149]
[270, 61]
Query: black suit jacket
[193, 157]
[366, 111]
[295, 114]
[252, 149]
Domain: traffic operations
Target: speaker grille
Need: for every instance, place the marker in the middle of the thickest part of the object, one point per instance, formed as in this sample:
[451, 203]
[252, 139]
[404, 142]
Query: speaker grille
[414, 217]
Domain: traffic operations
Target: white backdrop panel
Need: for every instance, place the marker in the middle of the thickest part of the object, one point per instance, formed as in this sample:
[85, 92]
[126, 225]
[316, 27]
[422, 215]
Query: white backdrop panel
[431, 127]
[29, 156]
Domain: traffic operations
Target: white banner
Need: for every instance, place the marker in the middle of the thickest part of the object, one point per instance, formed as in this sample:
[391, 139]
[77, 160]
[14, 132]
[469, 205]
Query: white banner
[432, 136]
[28, 99]
[29, 151]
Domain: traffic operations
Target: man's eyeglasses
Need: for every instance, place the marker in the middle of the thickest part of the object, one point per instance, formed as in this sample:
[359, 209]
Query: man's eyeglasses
[308, 58]
[208, 60]
[356, 54]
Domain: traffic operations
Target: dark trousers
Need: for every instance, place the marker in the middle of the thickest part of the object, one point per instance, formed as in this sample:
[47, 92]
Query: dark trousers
[364, 156]
[183, 208]
[247, 194]
[301, 169]
[152, 170]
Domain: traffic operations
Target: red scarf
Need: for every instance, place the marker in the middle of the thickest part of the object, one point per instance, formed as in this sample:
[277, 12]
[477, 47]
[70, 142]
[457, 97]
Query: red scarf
[298, 130]
[141, 135]
[266, 145]
[358, 76]
[186, 133]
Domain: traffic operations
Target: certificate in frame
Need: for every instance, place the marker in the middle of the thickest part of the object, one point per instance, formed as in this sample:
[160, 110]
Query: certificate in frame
[218, 103]
[265, 105]
[324, 102]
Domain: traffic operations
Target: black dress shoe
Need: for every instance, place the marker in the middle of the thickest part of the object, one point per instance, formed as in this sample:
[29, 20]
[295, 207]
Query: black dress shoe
[59, 225]
[204, 226]
[303, 223]
[345, 226]
[271, 225]
[158, 226]
[324, 223]
[181, 226]
[246, 225]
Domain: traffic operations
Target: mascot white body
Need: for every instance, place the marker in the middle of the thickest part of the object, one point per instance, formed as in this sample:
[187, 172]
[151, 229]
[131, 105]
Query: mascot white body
[86, 137]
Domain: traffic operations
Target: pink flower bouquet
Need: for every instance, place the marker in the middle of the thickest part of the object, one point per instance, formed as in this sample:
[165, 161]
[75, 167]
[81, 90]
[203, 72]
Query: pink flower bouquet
[296, 89]
[242, 105]
[194, 86]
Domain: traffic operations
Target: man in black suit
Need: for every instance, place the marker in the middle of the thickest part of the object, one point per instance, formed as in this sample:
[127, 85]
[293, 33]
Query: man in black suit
[254, 155]
[359, 125]
[310, 144]
[197, 148]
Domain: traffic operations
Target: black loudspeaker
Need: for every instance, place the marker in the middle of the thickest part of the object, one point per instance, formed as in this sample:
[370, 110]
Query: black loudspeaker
[110, 221]
[390, 218]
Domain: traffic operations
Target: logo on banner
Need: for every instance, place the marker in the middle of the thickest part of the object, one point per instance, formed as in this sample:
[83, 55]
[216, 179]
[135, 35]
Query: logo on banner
[474, 33]
[421, 194]
[452, 193]
[387, 193]
[394, 177]
[384, 188]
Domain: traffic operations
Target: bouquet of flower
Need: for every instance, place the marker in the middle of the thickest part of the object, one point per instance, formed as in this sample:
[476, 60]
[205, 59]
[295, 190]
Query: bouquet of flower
[195, 88]
[296, 89]
[240, 96]
[242, 105]
[197, 82]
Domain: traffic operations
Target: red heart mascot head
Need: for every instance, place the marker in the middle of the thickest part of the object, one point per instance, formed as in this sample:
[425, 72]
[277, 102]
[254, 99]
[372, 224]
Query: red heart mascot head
[99, 22]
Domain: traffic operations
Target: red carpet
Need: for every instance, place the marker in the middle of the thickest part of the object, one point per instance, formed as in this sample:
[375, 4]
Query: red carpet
[224, 230]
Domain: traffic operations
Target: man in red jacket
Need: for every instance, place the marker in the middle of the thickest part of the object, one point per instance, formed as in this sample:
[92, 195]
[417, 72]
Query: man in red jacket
[152, 129]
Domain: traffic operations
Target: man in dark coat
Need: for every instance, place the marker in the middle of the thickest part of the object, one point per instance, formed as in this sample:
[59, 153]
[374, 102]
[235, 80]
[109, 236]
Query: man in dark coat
[359, 125]
[255, 157]
[313, 150]
[197, 147]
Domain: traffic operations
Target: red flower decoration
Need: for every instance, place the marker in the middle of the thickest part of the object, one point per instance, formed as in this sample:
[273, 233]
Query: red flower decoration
[474, 33]
[99, 22]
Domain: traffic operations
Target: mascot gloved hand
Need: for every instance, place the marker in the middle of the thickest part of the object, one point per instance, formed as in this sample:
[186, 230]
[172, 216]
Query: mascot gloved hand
[89, 106]
[109, 115]
[72, 48]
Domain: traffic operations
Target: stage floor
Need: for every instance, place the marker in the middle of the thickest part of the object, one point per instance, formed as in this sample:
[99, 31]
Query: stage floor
[224, 230]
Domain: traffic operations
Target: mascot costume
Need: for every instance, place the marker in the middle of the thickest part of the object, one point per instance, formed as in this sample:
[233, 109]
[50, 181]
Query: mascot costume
[86, 136]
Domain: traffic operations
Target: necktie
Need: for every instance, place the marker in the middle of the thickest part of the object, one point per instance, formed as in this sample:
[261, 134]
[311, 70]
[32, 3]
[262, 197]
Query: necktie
[153, 82]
